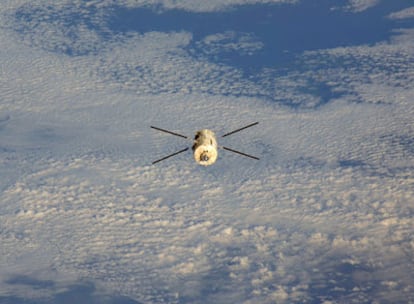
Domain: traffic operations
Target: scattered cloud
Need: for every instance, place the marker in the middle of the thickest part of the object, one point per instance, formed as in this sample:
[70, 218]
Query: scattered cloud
[357, 6]
[230, 41]
[403, 14]
[324, 216]
[199, 5]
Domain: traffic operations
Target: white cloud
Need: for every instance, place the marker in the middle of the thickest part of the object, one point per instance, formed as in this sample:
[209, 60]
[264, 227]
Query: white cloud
[199, 5]
[360, 5]
[230, 41]
[325, 215]
[403, 14]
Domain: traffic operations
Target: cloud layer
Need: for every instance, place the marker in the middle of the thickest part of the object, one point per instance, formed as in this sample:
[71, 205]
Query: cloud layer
[325, 215]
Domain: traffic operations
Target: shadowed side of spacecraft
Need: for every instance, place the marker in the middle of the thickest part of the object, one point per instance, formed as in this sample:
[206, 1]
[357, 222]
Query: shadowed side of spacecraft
[205, 147]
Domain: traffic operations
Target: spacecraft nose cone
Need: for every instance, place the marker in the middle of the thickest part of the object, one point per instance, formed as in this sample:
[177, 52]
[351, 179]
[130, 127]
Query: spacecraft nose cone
[204, 157]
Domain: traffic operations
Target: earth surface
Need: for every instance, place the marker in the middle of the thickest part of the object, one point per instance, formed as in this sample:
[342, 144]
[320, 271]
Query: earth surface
[325, 215]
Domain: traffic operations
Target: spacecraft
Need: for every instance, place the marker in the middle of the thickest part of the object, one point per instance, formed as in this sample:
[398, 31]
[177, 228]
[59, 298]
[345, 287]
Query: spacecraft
[205, 147]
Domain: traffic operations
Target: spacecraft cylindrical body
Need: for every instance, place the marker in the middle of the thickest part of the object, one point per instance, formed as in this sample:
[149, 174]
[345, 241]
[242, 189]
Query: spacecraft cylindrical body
[205, 147]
